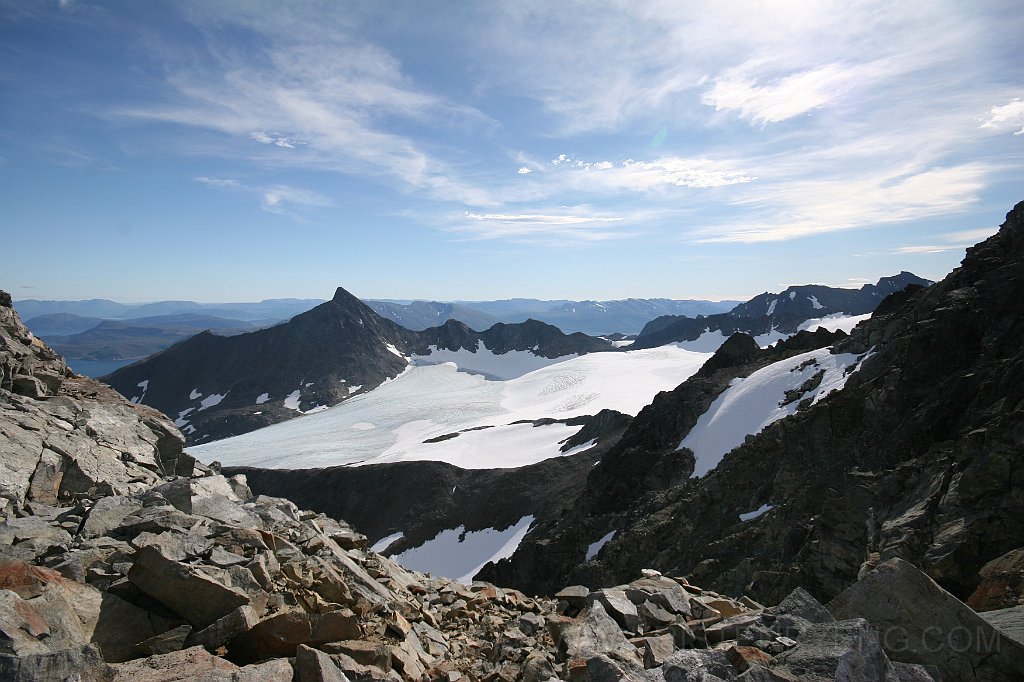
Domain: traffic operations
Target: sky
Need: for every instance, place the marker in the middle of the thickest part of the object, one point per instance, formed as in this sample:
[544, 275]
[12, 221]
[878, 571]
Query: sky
[240, 150]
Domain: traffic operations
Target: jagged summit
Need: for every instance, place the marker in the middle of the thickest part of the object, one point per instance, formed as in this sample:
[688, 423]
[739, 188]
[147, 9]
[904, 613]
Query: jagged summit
[218, 386]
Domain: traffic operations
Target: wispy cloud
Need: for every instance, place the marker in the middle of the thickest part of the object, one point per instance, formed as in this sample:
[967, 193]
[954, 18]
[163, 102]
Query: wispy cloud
[280, 199]
[335, 94]
[573, 224]
[812, 207]
[948, 241]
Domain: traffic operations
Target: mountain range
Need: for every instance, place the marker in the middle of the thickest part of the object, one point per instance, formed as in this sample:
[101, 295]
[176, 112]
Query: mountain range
[771, 316]
[221, 386]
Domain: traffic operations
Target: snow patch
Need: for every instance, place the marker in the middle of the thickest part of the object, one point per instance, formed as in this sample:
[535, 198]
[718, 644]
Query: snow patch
[384, 543]
[211, 400]
[623, 343]
[771, 307]
[594, 548]
[195, 394]
[262, 398]
[708, 342]
[834, 322]
[181, 421]
[751, 515]
[580, 448]
[771, 338]
[144, 385]
[814, 302]
[291, 401]
[750, 404]
[460, 555]
[792, 295]
[391, 349]
[362, 426]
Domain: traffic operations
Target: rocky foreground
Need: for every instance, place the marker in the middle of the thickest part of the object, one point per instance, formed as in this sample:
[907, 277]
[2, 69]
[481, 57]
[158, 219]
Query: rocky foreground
[123, 559]
[194, 578]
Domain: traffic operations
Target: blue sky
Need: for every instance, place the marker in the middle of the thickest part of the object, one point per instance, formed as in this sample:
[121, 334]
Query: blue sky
[226, 151]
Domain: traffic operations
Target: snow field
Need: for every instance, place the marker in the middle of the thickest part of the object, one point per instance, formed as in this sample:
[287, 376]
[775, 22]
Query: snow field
[391, 422]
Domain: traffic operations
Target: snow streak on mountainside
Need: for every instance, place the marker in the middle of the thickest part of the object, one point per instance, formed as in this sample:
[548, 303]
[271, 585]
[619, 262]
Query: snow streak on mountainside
[468, 419]
[768, 395]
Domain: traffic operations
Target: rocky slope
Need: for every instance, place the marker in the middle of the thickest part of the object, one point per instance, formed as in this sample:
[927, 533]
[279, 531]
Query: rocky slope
[158, 569]
[781, 313]
[916, 458]
[219, 386]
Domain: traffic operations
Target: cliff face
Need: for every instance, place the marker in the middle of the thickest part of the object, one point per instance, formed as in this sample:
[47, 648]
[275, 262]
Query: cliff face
[918, 457]
[63, 435]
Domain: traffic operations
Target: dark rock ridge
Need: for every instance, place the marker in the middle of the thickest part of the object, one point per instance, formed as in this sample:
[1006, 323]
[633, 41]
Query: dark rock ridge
[217, 386]
[783, 312]
[421, 499]
[185, 574]
[918, 457]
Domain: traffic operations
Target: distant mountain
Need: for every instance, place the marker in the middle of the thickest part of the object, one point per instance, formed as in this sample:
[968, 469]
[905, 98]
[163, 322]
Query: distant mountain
[60, 324]
[420, 315]
[270, 309]
[589, 317]
[116, 339]
[775, 316]
[220, 386]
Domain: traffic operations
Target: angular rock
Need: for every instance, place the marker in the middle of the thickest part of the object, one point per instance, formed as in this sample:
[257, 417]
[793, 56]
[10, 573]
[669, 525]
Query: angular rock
[657, 649]
[800, 603]
[745, 657]
[1002, 583]
[186, 591]
[224, 629]
[698, 665]
[730, 628]
[595, 633]
[107, 514]
[280, 634]
[312, 665]
[574, 595]
[619, 607]
[1008, 621]
[919, 622]
[80, 663]
[830, 651]
[165, 642]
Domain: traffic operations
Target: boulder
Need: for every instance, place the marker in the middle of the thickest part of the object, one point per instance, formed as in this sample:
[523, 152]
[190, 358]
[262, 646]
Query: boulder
[594, 633]
[657, 649]
[800, 603]
[846, 649]
[1002, 583]
[107, 514]
[77, 663]
[619, 607]
[919, 622]
[698, 665]
[280, 634]
[187, 591]
[224, 629]
[1008, 621]
[312, 665]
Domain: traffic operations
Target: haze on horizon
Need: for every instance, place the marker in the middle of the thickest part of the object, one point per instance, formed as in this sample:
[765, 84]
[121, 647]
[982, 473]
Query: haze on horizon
[226, 151]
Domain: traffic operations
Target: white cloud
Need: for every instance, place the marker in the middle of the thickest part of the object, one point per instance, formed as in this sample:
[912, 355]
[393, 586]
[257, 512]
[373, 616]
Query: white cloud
[223, 183]
[524, 170]
[642, 176]
[953, 241]
[781, 99]
[570, 225]
[1011, 114]
[275, 139]
[811, 207]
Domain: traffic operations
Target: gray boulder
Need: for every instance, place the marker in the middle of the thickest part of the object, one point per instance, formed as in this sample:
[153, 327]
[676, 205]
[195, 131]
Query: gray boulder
[919, 622]
[846, 650]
